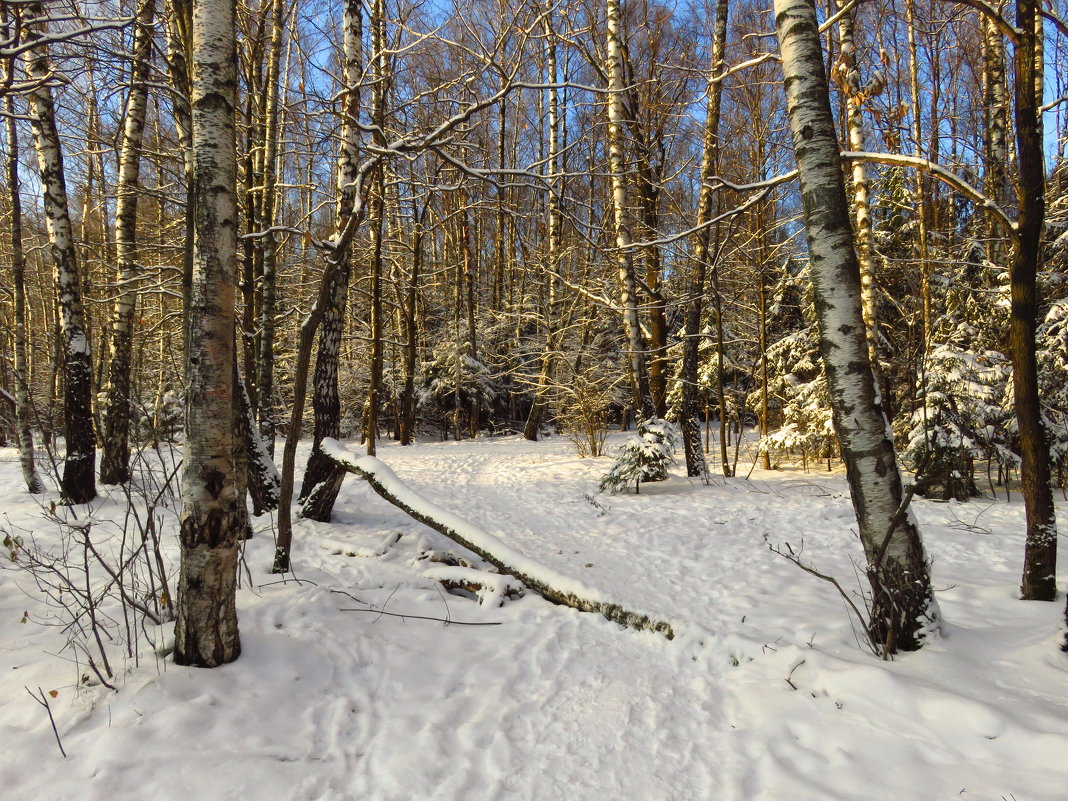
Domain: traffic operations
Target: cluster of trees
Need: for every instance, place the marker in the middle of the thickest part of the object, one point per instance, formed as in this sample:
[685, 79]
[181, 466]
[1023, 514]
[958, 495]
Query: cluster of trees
[479, 215]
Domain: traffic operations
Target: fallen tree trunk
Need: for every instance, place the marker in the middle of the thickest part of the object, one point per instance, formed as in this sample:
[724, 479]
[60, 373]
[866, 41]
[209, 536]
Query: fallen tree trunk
[554, 586]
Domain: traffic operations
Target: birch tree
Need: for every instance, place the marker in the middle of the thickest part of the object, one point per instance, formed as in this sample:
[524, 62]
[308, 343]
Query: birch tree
[636, 361]
[322, 478]
[78, 482]
[213, 515]
[903, 605]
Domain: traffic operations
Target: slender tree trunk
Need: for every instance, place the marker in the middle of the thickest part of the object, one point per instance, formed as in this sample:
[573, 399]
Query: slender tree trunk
[641, 396]
[23, 409]
[213, 516]
[903, 605]
[322, 479]
[919, 187]
[1040, 551]
[849, 80]
[78, 483]
[115, 458]
[269, 244]
[552, 256]
[409, 311]
[706, 204]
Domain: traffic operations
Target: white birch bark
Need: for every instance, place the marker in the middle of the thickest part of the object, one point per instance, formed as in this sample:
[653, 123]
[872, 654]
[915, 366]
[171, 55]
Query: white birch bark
[78, 483]
[903, 606]
[323, 479]
[636, 361]
[213, 517]
[849, 77]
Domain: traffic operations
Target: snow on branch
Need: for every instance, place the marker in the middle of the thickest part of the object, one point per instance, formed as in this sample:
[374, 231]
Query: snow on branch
[552, 585]
[941, 173]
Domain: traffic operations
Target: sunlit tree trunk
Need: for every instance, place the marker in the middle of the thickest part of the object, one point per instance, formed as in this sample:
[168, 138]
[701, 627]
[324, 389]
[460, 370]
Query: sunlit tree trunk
[213, 515]
[903, 605]
[641, 397]
[849, 80]
[78, 483]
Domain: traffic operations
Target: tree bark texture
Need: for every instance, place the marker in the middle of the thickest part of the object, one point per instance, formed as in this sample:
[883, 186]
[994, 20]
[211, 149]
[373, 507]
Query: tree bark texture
[78, 483]
[903, 606]
[322, 479]
[213, 515]
[1040, 550]
[115, 457]
[636, 361]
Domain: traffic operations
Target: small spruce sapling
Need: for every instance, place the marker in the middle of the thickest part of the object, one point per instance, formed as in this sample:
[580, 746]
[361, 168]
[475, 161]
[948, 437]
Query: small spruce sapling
[644, 457]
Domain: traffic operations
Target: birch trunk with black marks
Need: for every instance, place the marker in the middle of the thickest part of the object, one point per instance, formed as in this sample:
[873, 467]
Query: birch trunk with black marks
[641, 396]
[78, 483]
[706, 205]
[903, 606]
[23, 409]
[115, 456]
[1040, 551]
[322, 479]
[849, 80]
[213, 515]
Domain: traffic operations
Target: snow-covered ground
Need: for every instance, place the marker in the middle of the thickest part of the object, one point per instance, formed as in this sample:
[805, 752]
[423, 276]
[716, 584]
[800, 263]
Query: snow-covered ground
[765, 693]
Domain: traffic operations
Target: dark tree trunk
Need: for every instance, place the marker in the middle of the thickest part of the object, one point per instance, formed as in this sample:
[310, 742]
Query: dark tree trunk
[1040, 550]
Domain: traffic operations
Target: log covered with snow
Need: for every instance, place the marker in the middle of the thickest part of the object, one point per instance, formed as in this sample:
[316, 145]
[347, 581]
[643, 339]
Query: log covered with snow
[549, 583]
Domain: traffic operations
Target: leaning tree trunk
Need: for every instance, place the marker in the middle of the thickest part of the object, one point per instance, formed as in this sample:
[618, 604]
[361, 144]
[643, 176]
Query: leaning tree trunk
[550, 584]
[115, 458]
[639, 375]
[23, 409]
[213, 515]
[1040, 550]
[78, 484]
[903, 606]
[322, 479]
[691, 428]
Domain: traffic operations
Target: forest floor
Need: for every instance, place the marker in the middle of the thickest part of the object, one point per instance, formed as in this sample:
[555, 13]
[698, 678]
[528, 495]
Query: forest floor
[765, 694]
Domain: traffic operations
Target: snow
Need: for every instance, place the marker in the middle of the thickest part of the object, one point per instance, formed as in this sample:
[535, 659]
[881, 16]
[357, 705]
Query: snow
[780, 702]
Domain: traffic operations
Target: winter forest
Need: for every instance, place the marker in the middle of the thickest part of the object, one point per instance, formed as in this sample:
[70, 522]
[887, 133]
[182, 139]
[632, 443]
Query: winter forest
[534, 399]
